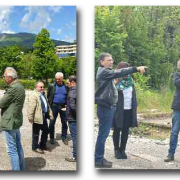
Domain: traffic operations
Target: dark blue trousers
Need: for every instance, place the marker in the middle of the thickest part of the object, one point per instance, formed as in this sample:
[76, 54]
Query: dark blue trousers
[72, 127]
[105, 116]
[57, 110]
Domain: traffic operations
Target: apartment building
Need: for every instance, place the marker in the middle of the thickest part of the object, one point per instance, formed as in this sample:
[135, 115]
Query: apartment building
[66, 50]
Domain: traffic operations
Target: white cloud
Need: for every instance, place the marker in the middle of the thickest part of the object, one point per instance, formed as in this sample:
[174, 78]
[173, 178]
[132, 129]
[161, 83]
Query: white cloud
[68, 39]
[71, 24]
[55, 9]
[8, 32]
[59, 31]
[5, 12]
[36, 18]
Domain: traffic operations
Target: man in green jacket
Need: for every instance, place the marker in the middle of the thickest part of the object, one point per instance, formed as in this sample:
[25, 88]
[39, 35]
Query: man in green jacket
[11, 105]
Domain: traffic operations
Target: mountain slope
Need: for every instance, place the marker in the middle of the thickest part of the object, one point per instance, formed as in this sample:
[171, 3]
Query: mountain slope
[23, 40]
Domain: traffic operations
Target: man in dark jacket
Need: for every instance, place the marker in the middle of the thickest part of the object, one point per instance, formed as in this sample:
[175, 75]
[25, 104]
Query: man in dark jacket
[11, 105]
[71, 114]
[175, 117]
[106, 97]
[57, 97]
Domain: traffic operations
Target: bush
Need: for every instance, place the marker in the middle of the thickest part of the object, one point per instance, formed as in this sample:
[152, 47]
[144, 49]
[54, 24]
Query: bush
[151, 99]
[28, 84]
[2, 84]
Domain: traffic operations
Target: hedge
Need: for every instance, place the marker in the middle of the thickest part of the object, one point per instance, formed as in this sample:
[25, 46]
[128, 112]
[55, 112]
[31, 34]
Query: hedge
[28, 84]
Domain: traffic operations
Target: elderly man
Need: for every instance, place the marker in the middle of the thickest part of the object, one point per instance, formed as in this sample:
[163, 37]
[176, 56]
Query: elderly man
[106, 97]
[57, 97]
[12, 117]
[38, 113]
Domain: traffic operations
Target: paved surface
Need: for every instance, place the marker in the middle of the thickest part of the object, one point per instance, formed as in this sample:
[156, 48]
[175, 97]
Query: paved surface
[51, 160]
[143, 153]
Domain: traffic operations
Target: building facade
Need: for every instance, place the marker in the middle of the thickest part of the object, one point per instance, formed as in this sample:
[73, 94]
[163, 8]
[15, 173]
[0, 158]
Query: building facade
[66, 50]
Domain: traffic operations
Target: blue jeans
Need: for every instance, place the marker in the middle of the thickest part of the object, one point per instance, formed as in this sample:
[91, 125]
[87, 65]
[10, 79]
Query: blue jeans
[72, 127]
[174, 131]
[14, 149]
[105, 116]
[57, 109]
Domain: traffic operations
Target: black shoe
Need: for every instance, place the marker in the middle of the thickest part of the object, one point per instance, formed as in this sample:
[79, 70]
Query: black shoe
[45, 148]
[104, 164]
[117, 154]
[72, 159]
[169, 158]
[38, 150]
[52, 141]
[65, 141]
[123, 155]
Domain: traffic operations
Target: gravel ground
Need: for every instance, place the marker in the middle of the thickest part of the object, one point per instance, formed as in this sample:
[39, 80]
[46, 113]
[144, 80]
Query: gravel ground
[142, 153]
[52, 160]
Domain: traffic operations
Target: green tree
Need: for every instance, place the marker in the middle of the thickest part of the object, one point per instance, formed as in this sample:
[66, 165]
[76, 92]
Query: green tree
[10, 56]
[68, 66]
[45, 62]
[26, 65]
[109, 34]
[148, 35]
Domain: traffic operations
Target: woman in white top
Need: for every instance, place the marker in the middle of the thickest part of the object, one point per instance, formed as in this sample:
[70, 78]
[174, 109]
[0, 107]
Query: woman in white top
[126, 112]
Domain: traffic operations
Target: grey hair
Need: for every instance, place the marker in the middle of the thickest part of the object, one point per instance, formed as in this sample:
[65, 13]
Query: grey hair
[59, 74]
[103, 55]
[10, 71]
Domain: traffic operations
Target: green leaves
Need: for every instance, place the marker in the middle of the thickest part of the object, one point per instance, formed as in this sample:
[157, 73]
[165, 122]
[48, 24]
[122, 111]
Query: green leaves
[42, 64]
[10, 56]
[141, 35]
[45, 62]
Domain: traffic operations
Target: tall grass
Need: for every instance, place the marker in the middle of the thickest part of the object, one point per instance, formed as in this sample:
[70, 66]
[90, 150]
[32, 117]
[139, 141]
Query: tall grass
[158, 100]
[149, 99]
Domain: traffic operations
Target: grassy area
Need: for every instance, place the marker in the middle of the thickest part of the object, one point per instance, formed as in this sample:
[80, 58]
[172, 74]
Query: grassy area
[153, 101]
[152, 104]
[157, 101]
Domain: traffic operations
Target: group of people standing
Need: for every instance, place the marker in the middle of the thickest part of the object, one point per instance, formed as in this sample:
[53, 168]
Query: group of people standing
[117, 108]
[60, 99]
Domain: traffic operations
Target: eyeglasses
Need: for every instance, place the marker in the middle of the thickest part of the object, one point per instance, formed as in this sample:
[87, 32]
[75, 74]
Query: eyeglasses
[110, 60]
[5, 77]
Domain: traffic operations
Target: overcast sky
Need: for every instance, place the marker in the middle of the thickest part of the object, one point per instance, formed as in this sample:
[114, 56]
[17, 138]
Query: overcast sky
[59, 20]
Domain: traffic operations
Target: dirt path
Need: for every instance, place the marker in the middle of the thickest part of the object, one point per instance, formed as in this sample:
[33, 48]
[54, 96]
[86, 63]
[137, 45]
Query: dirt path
[143, 153]
[51, 160]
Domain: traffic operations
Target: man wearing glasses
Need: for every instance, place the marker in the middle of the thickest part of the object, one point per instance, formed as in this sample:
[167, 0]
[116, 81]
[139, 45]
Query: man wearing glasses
[106, 98]
[38, 113]
[11, 105]
[57, 98]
